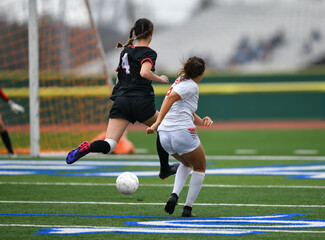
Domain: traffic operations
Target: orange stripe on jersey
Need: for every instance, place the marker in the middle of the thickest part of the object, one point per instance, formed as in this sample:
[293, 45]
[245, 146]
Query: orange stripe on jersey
[147, 59]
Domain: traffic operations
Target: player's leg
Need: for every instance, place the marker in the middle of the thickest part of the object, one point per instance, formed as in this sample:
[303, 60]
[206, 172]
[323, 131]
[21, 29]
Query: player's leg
[197, 159]
[182, 173]
[165, 169]
[180, 179]
[119, 120]
[5, 137]
[115, 129]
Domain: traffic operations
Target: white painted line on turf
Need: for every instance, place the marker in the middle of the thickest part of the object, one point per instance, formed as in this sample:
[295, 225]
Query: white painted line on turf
[155, 204]
[161, 185]
[155, 157]
[153, 230]
[269, 158]
[294, 231]
[61, 183]
[42, 226]
[259, 205]
[245, 151]
[306, 152]
[116, 228]
[263, 186]
[141, 150]
[43, 167]
[86, 203]
[62, 164]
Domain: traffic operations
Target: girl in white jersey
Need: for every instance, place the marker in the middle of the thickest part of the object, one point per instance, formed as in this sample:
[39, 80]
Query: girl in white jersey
[176, 126]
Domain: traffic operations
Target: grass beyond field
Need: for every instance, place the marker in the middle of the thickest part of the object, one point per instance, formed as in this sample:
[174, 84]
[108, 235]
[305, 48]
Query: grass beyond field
[263, 142]
[271, 192]
[216, 142]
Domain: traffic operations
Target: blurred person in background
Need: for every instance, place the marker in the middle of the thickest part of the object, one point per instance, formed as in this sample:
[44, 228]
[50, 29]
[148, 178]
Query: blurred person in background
[16, 108]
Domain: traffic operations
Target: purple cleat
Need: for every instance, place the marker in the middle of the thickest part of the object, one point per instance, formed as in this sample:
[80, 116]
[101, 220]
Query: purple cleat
[78, 152]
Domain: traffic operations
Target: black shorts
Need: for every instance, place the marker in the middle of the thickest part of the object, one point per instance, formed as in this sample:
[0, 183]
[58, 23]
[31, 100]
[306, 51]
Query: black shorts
[133, 108]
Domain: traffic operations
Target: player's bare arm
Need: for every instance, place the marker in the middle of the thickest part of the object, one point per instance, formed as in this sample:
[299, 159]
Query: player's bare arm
[148, 74]
[206, 121]
[167, 104]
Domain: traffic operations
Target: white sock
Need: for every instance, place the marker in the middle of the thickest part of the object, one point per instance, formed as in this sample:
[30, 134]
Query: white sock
[195, 187]
[180, 178]
[112, 144]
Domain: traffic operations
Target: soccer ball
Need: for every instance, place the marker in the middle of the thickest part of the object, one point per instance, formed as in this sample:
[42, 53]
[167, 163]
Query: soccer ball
[127, 183]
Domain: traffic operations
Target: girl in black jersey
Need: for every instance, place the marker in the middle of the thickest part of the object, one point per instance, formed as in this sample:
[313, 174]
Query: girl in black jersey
[133, 96]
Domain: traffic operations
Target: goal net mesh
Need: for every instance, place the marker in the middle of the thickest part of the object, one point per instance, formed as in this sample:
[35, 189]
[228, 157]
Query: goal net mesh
[73, 99]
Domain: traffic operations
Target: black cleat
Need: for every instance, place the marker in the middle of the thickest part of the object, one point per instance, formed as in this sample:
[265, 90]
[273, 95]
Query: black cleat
[172, 170]
[187, 212]
[171, 203]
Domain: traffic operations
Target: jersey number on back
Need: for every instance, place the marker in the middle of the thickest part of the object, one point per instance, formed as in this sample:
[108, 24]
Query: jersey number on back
[125, 63]
[171, 88]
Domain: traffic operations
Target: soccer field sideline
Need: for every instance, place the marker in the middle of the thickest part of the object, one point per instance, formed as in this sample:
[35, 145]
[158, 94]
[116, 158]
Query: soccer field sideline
[97, 156]
[163, 203]
[120, 230]
[161, 185]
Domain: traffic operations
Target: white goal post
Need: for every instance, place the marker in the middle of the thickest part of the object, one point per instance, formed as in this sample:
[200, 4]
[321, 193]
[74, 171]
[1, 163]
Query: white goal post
[33, 79]
[34, 68]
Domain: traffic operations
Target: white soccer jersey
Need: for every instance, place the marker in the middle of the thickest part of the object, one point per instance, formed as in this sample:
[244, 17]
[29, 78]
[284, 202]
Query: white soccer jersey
[180, 115]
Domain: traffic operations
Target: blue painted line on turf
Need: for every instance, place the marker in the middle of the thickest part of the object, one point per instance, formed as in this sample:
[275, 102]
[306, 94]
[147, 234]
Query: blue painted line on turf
[242, 225]
[87, 169]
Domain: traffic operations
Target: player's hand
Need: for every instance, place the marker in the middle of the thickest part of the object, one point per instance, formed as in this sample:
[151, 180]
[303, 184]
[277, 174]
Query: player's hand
[16, 108]
[152, 129]
[164, 79]
[207, 122]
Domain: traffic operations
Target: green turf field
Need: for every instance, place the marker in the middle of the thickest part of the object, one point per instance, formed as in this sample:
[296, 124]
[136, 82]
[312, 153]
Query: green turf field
[218, 142]
[273, 193]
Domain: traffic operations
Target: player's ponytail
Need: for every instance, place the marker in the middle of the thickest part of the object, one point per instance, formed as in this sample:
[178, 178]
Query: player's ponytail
[141, 29]
[192, 68]
[129, 42]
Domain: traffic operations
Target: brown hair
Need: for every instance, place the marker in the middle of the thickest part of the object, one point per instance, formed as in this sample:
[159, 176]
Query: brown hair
[193, 67]
[142, 29]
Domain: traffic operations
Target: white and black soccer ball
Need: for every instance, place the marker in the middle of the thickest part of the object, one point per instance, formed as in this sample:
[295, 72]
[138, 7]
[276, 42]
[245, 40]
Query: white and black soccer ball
[127, 183]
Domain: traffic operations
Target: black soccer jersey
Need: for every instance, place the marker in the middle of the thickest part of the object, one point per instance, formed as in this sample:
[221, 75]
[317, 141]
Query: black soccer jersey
[130, 82]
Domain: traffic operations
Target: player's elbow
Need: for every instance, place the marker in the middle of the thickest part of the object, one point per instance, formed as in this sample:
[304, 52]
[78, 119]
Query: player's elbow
[145, 73]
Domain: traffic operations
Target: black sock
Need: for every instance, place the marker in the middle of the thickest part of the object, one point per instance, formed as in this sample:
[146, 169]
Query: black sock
[6, 141]
[100, 146]
[163, 156]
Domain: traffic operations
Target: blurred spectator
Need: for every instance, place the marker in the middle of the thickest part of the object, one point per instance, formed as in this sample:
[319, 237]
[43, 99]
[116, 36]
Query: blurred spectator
[316, 35]
[261, 51]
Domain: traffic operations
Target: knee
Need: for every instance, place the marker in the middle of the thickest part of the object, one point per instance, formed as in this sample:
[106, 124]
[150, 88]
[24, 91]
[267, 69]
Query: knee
[199, 170]
[187, 164]
[200, 167]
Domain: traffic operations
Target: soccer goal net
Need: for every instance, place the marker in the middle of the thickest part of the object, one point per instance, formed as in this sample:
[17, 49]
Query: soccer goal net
[73, 99]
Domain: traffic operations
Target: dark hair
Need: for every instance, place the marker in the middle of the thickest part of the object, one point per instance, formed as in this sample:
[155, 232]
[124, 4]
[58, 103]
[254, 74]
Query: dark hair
[142, 29]
[193, 67]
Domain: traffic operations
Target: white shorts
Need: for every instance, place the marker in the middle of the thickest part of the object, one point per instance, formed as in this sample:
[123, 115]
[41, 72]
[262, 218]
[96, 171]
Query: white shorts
[179, 141]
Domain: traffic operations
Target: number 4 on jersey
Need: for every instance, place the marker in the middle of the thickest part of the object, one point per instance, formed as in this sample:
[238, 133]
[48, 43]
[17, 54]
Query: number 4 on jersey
[125, 63]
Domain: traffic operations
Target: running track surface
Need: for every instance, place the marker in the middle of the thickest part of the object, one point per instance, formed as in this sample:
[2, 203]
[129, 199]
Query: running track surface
[216, 126]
